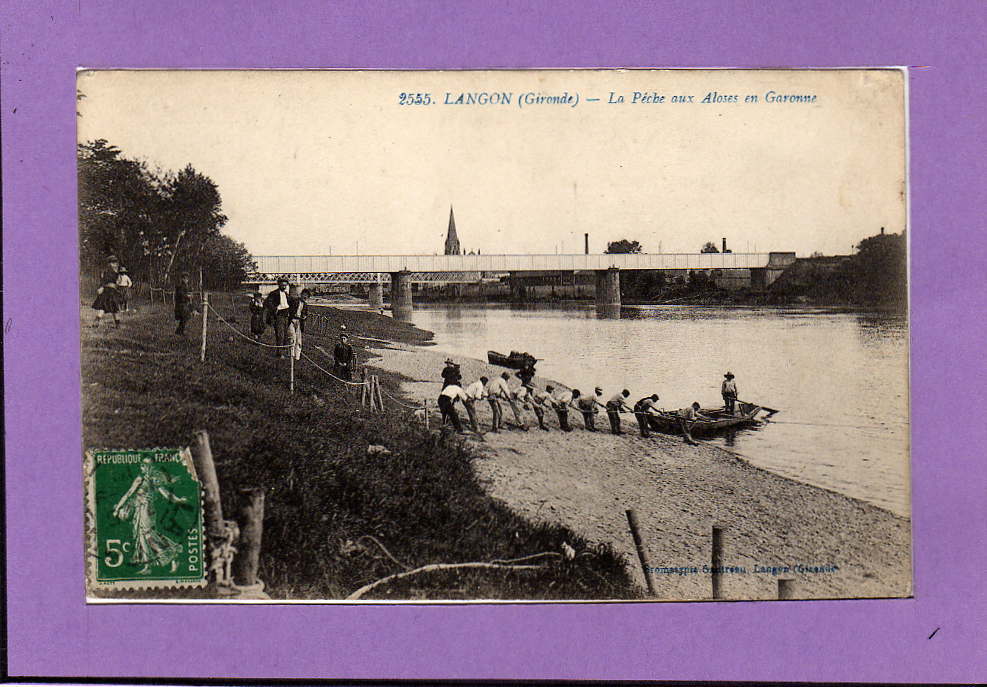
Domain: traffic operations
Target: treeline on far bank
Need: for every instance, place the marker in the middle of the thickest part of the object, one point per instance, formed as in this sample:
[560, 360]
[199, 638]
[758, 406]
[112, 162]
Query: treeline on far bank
[875, 275]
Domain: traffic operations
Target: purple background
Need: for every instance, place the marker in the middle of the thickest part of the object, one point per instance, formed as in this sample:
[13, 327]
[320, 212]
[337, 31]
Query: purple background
[51, 630]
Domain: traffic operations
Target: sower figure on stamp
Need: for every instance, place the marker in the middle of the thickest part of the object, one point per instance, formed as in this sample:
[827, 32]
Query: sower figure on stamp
[107, 296]
[137, 506]
[279, 315]
[183, 304]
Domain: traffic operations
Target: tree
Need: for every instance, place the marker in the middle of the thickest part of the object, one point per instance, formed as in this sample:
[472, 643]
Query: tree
[225, 262]
[880, 270]
[709, 247]
[623, 246]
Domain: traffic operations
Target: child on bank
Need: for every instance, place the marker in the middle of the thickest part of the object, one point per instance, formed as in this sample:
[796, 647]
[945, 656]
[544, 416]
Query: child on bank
[257, 320]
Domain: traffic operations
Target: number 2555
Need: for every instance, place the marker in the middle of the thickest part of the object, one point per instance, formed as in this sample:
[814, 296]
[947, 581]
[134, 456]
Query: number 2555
[415, 99]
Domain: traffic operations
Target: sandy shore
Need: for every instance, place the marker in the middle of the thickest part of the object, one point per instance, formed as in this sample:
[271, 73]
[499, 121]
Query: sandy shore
[587, 481]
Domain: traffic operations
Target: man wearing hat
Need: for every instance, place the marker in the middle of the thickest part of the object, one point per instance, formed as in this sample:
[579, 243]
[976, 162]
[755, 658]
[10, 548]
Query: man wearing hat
[451, 374]
[279, 315]
[729, 392]
[342, 358]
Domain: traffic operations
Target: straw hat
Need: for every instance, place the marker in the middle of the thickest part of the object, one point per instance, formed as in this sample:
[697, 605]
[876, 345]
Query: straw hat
[729, 375]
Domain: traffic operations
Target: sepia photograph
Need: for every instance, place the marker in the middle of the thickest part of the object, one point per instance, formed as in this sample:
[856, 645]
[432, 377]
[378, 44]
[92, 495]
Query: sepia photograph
[498, 336]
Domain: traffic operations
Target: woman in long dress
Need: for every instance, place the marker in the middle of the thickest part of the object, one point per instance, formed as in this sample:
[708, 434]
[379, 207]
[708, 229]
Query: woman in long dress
[137, 505]
[107, 296]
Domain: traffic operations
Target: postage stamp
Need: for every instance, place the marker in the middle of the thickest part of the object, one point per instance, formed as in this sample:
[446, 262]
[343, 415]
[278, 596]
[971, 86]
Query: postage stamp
[143, 520]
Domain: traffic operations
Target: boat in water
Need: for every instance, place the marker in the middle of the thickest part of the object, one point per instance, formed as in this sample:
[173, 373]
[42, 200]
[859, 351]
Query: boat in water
[515, 360]
[719, 420]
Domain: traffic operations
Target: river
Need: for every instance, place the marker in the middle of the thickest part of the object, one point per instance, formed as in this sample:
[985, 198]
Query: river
[840, 379]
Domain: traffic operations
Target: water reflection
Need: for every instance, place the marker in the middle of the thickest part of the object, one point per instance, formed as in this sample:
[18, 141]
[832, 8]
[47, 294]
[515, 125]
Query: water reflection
[839, 378]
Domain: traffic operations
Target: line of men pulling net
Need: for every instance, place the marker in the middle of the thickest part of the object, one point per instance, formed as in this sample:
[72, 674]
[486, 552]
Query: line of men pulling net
[500, 391]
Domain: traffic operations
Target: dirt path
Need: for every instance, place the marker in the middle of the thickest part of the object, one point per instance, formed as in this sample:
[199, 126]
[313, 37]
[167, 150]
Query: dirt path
[588, 480]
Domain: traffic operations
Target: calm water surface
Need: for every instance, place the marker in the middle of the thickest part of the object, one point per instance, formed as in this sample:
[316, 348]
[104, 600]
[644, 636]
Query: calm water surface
[840, 379]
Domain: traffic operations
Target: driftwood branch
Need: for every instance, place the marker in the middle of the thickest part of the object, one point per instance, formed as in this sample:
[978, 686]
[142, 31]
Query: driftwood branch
[435, 566]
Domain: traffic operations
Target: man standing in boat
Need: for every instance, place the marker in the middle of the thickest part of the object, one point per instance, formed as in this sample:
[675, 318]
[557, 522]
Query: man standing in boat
[729, 392]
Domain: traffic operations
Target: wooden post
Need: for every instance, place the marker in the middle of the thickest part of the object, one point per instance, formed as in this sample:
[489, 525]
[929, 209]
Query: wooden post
[641, 553]
[425, 408]
[363, 393]
[291, 371]
[205, 324]
[717, 562]
[251, 530]
[380, 398]
[786, 588]
[205, 468]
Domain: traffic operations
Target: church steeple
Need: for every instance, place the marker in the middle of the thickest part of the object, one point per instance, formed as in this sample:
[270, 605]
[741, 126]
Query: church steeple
[452, 241]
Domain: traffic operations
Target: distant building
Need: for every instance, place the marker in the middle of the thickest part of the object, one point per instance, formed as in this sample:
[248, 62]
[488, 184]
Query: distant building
[452, 241]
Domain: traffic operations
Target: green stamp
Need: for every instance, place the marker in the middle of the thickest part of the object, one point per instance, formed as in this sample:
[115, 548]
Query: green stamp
[143, 520]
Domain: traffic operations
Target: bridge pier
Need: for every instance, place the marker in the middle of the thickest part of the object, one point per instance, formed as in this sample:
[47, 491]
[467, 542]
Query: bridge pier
[401, 295]
[376, 295]
[608, 293]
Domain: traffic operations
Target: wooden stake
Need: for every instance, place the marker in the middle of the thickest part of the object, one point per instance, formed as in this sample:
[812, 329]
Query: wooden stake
[786, 588]
[363, 393]
[717, 562]
[205, 468]
[205, 324]
[251, 530]
[291, 370]
[425, 408]
[641, 553]
[380, 398]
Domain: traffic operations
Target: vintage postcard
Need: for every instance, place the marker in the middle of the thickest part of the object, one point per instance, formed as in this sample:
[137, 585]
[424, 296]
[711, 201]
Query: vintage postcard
[534, 335]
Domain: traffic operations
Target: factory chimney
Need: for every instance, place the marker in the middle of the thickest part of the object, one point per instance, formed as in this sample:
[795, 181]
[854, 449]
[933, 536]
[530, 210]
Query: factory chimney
[586, 239]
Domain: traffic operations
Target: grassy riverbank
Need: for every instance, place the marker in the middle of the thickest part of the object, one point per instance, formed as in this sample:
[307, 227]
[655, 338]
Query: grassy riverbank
[143, 386]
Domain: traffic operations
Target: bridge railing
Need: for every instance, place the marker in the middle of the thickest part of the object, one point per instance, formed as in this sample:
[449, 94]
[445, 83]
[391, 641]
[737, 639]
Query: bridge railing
[309, 264]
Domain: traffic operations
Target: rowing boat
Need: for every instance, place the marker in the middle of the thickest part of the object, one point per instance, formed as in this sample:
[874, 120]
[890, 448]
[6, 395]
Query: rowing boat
[719, 419]
[515, 360]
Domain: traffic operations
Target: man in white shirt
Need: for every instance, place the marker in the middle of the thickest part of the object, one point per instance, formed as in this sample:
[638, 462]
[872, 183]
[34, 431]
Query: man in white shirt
[511, 399]
[561, 400]
[539, 400]
[447, 404]
[688, 416]
[474, 393]
[729, 392]
[279, 315]
[493, 393]
[615, 406]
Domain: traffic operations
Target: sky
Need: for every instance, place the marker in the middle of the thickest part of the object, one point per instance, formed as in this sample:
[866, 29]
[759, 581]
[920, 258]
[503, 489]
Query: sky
[319, 162]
